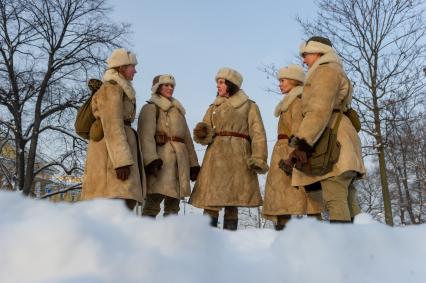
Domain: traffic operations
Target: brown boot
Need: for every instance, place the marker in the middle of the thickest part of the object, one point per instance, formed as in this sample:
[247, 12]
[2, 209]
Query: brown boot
[214, 216]
[213, 221]
[279, 227]
[230, 224]
[281, 222]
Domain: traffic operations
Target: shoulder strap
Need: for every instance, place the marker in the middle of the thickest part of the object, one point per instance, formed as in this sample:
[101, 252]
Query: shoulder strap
[157, 111]
[339, 118]
[112, 82]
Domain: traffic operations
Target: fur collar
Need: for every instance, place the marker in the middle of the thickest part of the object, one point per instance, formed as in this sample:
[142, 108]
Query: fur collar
[112, 74]
[165, 104]
[236, 100]
[330, 57]
[288, 100]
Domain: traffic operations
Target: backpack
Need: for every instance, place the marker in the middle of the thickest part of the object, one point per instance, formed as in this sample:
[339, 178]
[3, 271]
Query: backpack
[85, 118]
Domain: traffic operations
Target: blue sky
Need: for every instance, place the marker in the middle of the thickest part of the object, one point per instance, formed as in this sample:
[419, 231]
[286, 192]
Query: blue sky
[193, 39]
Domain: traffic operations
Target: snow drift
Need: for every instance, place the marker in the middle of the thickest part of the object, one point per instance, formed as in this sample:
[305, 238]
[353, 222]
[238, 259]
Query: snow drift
[100, 241]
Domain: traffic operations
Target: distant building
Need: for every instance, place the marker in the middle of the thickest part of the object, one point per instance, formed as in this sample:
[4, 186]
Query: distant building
[47, 182]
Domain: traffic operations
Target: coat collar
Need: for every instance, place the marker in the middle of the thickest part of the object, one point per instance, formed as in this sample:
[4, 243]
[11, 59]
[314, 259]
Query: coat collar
[165, 104]
[235, 101]
[112, 74]
[330, 57]
[288, 100]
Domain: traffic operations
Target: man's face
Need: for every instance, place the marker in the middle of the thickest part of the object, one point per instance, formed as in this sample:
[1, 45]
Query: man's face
[128, 72]
[310, 58]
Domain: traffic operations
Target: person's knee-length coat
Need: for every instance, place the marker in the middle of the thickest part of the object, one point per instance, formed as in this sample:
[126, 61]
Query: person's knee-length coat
[173, 178]
[115, 108]
[326, 89]
[226, 177]
[280, 197]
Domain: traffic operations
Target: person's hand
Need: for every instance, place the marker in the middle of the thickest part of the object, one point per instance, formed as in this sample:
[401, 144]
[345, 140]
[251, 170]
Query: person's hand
[123, 173]
[257, 165]
[297, 157]
[153, 167]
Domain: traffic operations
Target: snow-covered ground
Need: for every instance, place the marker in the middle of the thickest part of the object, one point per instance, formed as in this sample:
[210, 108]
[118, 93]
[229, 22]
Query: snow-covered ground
[101, 241]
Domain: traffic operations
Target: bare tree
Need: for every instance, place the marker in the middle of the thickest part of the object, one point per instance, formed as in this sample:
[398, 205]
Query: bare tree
[5, 174]
[382, 45]
[405, 142]
[370, 196]
[252, 217]
[48, 48]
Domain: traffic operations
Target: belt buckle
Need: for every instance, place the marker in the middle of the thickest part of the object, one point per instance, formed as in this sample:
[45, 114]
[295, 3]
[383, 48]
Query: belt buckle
[160, 139]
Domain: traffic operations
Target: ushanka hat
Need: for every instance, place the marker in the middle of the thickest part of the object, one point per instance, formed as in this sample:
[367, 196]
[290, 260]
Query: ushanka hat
[292, 72]
[162, 79]
[231, 75]
[121, 57]
[316, 44]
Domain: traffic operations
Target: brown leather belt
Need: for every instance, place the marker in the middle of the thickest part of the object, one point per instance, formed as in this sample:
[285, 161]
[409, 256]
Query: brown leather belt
[163, 139]
[233, 134]
[283, 137]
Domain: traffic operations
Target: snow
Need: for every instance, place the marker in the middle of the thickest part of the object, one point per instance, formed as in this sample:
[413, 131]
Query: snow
[100, 241]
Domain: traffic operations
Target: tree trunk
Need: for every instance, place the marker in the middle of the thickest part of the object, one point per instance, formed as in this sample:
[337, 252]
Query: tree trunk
[385, 187]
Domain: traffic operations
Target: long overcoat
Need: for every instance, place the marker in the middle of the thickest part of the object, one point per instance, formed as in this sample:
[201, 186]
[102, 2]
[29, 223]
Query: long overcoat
[225, 177]
[326, 90]
[281, 198]
[164, 117]
[119, 147]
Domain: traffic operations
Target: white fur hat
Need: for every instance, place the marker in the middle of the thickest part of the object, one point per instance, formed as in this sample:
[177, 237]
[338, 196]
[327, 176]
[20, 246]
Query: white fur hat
[293, 72]
[316, 44]
[163, 79]
[121, 57]
[231, 75]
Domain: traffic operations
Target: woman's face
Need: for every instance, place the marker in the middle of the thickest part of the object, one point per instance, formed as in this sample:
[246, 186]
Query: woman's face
[222, 88]
[166, 90]
[128, 72]
[285, 85]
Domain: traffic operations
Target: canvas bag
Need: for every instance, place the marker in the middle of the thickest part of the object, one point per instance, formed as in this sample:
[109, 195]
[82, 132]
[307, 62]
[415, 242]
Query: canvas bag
[326, 151]
[85, 119]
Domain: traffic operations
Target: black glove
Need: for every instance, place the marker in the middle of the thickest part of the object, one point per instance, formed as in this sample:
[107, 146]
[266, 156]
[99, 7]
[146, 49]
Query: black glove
[123, 172]
[193, 173]
[303, 151]
[153, 167]
[297, 157]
